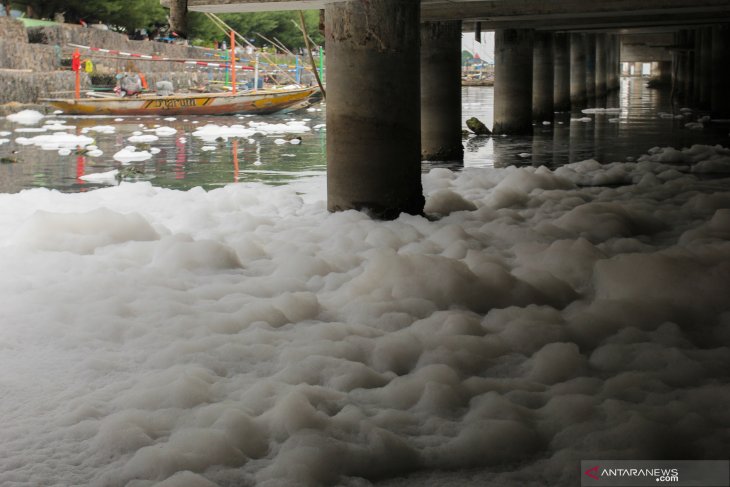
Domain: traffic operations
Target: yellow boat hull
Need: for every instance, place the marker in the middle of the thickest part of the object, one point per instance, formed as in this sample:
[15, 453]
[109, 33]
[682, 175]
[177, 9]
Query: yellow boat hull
[259, 102]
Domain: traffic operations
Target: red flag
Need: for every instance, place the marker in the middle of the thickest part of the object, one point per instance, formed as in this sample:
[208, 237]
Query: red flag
[76, 61]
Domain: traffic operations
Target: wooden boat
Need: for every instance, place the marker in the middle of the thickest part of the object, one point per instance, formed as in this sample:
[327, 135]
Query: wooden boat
[254, 102]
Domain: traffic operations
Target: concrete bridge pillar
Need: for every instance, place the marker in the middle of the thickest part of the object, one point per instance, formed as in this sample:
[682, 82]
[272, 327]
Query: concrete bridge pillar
[561, 90]
[590, 41]
[697, 67]
[705, 77]
[441, 91]
[689, 68]
[720, 70]
[373, 107]
[680, 64]
[577, 72]
[601, 69]
[617, 61]
[661, 72]
[614, 62]
[513, 81]
[543, 73]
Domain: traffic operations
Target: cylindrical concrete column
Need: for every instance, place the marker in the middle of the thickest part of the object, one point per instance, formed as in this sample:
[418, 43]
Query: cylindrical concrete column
[720, 70]
[697, 67]
[661, 72]
[373, 107]
[601, 69]
[441, 91]
[543, 72]
[638, 68]
[705, 62]
[561, 90]
[612, 68]
[677, 81]
[689, 69]
[590, 40]
[577, 72]
[615, 62]
[680, 61]
[513, 81]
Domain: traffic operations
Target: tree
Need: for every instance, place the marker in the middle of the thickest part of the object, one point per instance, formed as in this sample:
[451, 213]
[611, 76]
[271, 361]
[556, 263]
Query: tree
[128, 15]
[280, 25]
[178, 17]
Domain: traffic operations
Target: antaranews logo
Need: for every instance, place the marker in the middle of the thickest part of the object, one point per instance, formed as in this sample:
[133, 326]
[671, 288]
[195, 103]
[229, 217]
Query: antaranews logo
[637, 473]
[593, 472]
[662, 475]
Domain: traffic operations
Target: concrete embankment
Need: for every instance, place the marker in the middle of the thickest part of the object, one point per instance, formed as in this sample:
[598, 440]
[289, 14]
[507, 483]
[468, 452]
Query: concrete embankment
[35, 62]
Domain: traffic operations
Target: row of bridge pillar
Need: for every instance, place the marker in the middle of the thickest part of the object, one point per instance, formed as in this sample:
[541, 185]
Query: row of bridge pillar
[701, 68]
[394, 95]
[540, 73]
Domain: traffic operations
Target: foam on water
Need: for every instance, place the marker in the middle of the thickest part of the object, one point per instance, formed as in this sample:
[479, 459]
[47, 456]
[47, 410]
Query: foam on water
[246, 336]
[26, 117]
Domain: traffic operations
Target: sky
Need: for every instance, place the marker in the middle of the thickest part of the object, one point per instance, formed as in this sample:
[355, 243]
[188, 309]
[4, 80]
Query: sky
[485, 48]
[246, 336]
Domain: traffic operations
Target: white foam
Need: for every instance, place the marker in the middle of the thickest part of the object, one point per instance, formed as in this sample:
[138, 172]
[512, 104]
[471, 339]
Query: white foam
[102, 129]
[30, 130]
[109, 177]
[165, 131]
[56, 141]
[601, 110]
[26, 117]
[143, 138]
[247, 336]
[131, 154]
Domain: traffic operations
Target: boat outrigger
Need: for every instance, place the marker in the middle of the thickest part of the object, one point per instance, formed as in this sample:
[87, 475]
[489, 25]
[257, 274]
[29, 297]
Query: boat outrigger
[252, 102]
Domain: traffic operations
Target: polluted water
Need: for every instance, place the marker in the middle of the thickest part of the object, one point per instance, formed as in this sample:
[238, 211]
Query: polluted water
[243, 335]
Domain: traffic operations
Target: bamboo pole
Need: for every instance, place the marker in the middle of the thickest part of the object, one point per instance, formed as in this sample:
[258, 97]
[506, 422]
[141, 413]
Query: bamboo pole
[304, 32]
[283, 46]
[226, 28]
[275, 44]
[311, 56]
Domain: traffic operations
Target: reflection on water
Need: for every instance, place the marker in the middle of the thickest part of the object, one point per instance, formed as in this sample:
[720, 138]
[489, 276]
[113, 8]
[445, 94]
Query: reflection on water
[180, 160]
[641, 119]
[183, 161]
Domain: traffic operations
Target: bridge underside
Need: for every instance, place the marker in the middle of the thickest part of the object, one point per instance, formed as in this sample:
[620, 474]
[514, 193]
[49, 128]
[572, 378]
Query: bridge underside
[549, 56]
[533, 14]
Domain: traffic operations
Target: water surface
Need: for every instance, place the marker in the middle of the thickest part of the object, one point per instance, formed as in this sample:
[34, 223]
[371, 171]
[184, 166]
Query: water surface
[645, 118]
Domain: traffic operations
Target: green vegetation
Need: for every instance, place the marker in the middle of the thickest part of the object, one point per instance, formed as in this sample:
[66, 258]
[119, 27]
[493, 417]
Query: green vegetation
[126, 16]
[130, 15]
[279, 25]
[466, 56]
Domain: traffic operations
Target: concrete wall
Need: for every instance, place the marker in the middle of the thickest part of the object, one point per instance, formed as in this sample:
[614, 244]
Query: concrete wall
[12, 29]
[21, 55]
[29, 87]
[64, 35]
[31, 61]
